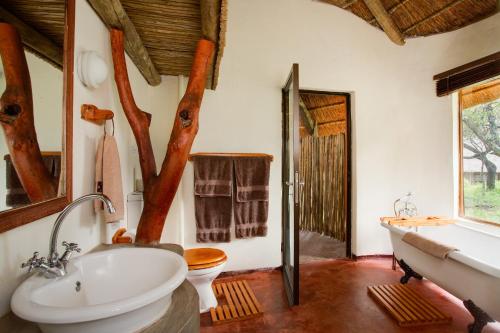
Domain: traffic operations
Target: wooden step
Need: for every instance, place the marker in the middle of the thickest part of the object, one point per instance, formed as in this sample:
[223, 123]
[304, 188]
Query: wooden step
[406, 306]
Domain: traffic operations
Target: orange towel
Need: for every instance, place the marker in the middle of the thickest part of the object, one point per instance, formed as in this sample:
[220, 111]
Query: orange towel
[108, 178]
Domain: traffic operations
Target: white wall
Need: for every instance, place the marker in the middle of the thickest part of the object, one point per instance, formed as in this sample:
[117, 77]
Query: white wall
[82, 226]
[402, 133]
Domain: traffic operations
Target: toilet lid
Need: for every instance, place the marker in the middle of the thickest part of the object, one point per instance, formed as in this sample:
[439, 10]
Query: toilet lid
[204, 257]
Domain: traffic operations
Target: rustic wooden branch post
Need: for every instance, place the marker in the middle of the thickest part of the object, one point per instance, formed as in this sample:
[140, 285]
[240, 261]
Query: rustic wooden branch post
[16, 118]
[160, 189]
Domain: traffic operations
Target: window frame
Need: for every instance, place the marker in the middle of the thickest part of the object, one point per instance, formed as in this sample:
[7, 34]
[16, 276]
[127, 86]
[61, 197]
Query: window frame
[461, 208]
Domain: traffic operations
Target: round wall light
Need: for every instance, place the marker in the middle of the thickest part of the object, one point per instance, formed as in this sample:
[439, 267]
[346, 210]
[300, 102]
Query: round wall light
[92, 69]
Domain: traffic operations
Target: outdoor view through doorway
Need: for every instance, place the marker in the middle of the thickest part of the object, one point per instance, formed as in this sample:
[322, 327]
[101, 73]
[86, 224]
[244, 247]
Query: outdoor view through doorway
[324, 167]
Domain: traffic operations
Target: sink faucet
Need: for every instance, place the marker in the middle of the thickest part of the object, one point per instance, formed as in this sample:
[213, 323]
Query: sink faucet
[55, 266]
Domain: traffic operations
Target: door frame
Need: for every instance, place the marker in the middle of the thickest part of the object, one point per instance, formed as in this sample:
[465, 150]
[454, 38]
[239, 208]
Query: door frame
[348, 169]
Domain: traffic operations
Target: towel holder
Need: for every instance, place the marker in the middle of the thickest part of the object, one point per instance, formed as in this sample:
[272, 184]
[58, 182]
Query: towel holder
[95, 115]
[270, 157]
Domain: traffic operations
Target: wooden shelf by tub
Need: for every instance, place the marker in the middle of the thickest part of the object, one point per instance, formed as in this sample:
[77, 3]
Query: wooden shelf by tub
[271, 157]
[417, 221]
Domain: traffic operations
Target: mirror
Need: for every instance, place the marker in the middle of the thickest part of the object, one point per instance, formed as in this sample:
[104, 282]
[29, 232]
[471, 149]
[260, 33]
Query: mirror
[36, 51]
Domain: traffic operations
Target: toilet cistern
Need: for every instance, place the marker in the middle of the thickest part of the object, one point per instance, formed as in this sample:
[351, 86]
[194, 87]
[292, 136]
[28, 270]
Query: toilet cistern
[55, 266]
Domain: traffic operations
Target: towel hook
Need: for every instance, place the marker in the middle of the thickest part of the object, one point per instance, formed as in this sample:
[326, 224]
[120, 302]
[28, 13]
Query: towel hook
[113, 122]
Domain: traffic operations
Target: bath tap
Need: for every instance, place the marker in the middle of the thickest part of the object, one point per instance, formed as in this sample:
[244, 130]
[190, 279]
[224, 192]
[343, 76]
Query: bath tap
[54, 266]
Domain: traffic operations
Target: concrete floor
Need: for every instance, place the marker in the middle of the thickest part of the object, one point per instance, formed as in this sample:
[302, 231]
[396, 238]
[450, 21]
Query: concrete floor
[334, 298]
[314, 246]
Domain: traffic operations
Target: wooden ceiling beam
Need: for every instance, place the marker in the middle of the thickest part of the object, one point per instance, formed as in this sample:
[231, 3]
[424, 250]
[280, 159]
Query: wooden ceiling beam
[308, 119]
[210, 17]
[385, 21]
[35, 41]
[391, 10]
[113, 15]
[210, 23]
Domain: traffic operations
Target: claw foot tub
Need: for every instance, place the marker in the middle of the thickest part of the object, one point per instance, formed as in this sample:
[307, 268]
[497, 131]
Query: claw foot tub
[471, 273]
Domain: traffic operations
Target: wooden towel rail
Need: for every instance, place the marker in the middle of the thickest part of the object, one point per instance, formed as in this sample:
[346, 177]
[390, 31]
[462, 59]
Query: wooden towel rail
[271, 157]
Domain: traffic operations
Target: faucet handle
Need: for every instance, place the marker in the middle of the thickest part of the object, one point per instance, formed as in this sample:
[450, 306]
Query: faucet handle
[32, 262]
[71, 247]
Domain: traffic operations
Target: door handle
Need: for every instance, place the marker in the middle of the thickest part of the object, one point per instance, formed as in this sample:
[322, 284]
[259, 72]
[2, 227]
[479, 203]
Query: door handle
[296, 188]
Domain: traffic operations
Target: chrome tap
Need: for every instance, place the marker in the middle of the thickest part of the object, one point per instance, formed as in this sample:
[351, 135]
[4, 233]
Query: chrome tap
[55, 266]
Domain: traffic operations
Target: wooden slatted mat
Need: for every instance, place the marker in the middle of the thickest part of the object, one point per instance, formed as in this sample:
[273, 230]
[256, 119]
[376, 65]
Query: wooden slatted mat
[406, 306]
[236, 301]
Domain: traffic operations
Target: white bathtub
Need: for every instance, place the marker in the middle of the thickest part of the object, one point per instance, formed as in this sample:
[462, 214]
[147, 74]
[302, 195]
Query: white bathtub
[473, 272]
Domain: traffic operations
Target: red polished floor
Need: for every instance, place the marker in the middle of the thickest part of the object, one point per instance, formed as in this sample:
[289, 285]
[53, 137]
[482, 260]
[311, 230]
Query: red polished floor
[334, 298]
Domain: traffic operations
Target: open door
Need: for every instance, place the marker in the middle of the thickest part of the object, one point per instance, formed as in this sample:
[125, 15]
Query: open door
[290, 186]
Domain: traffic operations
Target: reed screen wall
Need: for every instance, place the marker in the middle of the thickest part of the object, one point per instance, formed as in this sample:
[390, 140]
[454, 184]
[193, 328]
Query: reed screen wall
[323, 195]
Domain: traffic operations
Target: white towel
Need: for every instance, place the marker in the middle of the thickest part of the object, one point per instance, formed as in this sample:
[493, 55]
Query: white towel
[108, 178]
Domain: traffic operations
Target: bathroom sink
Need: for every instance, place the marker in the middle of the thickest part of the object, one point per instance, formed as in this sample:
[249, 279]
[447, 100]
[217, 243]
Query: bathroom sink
[118, 290]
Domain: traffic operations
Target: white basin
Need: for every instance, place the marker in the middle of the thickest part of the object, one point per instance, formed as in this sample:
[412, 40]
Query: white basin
[121, 290]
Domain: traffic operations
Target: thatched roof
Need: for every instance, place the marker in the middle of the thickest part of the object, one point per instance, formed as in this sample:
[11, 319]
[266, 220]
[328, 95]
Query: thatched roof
[328, 112]
[40, 24]
[169, 30]
[423, 17]
[45, 16]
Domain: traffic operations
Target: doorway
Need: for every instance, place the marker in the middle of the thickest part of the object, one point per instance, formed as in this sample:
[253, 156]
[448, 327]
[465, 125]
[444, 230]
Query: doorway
[324, 168]
[316, 178]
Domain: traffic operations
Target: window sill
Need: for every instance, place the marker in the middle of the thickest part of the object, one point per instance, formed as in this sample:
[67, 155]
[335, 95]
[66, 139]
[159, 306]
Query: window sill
[489, 229]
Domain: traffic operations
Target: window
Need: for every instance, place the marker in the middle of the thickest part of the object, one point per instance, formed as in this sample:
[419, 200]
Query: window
[479, 131]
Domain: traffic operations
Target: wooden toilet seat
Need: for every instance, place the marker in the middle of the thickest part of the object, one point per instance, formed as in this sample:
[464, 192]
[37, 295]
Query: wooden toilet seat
[204, 258]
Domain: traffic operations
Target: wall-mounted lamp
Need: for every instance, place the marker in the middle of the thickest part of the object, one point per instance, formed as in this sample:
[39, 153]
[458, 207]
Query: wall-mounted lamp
[92, 69]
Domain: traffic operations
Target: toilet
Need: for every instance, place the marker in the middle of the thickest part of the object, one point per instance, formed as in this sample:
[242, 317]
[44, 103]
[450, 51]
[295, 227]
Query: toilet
[204, 264]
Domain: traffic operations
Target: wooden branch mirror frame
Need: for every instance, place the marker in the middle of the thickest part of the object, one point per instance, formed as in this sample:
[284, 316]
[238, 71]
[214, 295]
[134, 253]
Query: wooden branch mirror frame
[47, 192]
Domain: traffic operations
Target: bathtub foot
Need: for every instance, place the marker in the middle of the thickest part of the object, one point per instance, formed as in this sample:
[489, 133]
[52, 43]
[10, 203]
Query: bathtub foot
[481, 318]
[409, 273]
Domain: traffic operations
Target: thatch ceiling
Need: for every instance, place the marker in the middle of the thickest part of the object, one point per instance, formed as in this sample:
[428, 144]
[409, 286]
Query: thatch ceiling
[40, 24]
[328, 112]
[169, 30]
[45, 16]
[423, 17]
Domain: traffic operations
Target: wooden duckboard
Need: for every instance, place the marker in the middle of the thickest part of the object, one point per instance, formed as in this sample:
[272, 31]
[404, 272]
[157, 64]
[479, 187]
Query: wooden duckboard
[406, 306]
[418, 221]
[236, 302]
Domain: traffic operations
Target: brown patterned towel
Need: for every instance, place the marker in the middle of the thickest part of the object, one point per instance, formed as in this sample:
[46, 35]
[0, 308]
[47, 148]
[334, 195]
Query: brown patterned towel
[251, 204]
[212, 198]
